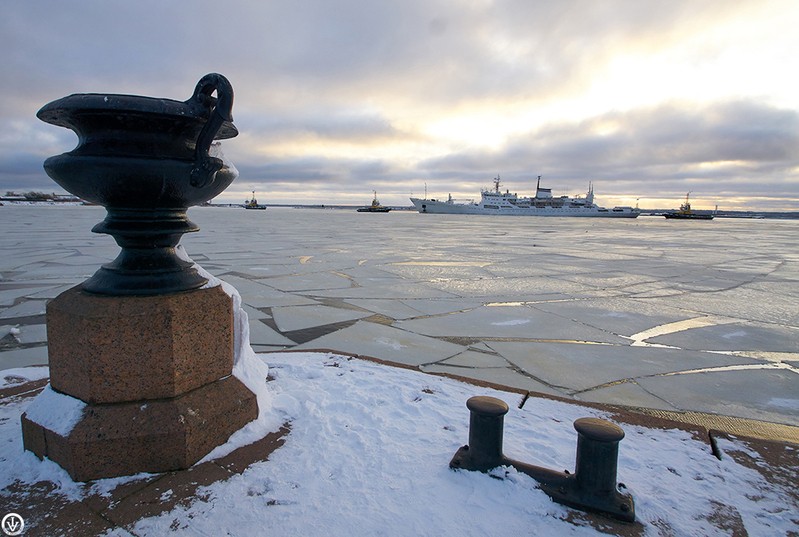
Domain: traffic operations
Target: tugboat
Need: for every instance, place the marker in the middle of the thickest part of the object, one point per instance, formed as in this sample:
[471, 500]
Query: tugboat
[686, 213]
[253, 203]
[375, 207]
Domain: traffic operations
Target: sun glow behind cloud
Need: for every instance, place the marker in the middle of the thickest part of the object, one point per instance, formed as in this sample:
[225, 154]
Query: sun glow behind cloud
[694, 67]
[744, 56]
[487, 129]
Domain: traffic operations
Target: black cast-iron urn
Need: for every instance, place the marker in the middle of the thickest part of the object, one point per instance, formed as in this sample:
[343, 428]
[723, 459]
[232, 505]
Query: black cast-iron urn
[146, 160]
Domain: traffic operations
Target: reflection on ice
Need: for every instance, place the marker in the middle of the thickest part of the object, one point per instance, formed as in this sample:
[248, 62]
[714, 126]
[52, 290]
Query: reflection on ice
[639, 339]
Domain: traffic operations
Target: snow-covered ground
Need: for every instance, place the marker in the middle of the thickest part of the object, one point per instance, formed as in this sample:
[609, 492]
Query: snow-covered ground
[368, 454]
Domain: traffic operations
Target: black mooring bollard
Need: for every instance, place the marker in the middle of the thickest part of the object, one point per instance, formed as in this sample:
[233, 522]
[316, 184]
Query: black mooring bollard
[597, 455]
[593, 485]
[486, 426]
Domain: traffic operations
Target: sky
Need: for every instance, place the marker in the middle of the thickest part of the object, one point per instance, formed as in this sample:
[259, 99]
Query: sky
[335, 99]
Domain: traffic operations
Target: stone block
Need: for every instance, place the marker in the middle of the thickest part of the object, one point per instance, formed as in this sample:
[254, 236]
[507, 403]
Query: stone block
[111, 349]
[118, 439]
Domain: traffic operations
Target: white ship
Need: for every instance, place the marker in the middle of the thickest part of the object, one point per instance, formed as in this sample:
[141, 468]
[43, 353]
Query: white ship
[542, 204]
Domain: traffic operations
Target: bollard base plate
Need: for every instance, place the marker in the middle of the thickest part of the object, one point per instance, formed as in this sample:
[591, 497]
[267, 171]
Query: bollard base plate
[465, 459]
[616, 504]
[561, 487]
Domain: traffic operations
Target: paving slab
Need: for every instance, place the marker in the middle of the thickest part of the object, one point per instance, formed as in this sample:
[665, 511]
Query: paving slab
[619, 315]
[508, 322]
[261, 334]
[24, 357]
[385, 343]
[779, 287]
[81, 261]
[477, 360]
[437, 306]
[290, 318]
[577, 367]
[744, 303]
[502, 376]
[309, 282]
[759, 394]
[26, 308]
[611, 279]
[437, 272]
[391, 289]
[253, 313]
[8, 297]
[393, 309]
[50, 293]
[365, 273]
[626, 393]
[734, 336]
[32, 333]
[258, 295]
[59, 273]
[544, 265]
[487, 287]
[27, 258]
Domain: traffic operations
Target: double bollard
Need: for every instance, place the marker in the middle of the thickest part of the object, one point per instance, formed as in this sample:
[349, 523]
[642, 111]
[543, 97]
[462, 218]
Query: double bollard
[592, 486]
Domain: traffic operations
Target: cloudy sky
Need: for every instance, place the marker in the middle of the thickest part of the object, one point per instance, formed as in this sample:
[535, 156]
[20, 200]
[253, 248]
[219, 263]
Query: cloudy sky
[648, 99]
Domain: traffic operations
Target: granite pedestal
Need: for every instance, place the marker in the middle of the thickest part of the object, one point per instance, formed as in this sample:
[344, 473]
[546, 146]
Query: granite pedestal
[155, 374]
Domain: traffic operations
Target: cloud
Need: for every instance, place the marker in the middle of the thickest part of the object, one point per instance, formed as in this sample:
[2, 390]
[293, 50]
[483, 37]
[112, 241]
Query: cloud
[332, 124]
[744, 133]
[637, 95]
[661, 147]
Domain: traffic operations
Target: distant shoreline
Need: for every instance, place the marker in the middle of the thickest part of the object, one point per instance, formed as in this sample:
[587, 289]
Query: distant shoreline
[779, 215]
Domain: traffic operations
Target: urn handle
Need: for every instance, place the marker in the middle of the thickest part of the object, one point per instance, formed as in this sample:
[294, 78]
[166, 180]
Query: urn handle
[220, 110]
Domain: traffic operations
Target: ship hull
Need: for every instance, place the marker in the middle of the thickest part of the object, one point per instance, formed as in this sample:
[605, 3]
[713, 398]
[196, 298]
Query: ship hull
[443, 207]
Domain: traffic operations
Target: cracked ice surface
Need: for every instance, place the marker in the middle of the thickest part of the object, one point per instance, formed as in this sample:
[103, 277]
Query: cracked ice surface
[594, 309]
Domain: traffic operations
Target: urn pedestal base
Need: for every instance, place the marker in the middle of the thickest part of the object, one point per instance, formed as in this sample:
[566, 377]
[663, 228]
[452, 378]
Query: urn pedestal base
[155, 374]
[110, 349]
[151, 436]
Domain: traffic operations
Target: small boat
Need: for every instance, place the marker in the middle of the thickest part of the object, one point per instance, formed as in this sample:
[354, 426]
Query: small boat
[686, 213]
[253, 203]
[375, 207]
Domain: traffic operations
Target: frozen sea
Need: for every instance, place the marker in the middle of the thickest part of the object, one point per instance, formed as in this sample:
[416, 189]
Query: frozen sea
[673, 316]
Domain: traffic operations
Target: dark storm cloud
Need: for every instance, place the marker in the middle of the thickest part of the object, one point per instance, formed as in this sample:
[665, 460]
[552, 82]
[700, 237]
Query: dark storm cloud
[25, 170]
